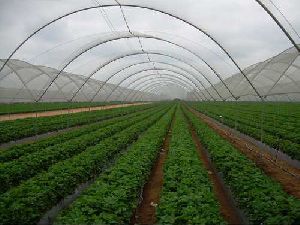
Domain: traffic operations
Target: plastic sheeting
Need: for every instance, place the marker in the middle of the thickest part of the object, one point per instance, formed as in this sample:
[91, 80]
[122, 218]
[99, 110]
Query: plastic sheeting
[24, 82]
[277, 79]
[204, 44]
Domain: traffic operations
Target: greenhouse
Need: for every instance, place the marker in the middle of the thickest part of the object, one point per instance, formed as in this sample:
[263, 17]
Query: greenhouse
[149, 112]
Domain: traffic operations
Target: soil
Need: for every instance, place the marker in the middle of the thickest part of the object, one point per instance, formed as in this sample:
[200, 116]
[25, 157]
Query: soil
[62, 111]
[287, 175]
[145, 214]
[32, 139]
[228, 209]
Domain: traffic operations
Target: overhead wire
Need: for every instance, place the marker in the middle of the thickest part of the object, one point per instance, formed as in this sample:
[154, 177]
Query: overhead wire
[139, 40]
[108, 21]
[285, 18]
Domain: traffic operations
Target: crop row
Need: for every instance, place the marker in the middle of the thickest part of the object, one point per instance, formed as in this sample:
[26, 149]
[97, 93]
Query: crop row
[255, 119]
[290, 111]
[23, 149]
[114, 195]
[244, 111]
[270, 133]
[16, 129]
[187, 196]
[259, 196]
[47, 106]
[13, 172]
[35, 196]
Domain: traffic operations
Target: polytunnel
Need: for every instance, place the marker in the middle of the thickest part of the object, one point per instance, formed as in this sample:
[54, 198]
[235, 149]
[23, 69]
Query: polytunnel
[79, 63]
[149, 112]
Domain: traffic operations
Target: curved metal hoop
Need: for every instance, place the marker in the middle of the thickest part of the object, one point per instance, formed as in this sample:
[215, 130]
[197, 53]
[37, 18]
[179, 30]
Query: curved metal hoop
[130, 75]
[144, 84]
[140, 7]
[161, 54]
[147, 76]
[154, 87]
[158, 69]
[161, 81]
[278, 24]
[184, 48]
[128, 36]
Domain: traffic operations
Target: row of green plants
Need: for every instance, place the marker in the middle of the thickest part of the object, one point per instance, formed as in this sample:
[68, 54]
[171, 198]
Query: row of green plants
[114, 195]
[26, 203]
[14, 172]
[245, 111]
[267, 122]
[16, 129]
[261, 198]
[271, 138]
[47, 106]
[290, 110]
[271, 133]
[187, 196]
[19, 150]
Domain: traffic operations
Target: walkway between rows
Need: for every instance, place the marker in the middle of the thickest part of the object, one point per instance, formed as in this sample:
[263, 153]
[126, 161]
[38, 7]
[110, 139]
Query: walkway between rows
[62, 111]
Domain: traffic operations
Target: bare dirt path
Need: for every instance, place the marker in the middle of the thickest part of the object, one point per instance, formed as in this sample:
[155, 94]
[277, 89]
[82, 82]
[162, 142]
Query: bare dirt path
[228, 208]
[32, 139]
[62, 111]
[287, 175]
[145, 214]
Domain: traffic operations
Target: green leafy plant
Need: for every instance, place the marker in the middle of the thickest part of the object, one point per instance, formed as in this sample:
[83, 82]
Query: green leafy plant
[187, 196]
[35, 196]
[114, 195]
[13, 172]
[262, 199]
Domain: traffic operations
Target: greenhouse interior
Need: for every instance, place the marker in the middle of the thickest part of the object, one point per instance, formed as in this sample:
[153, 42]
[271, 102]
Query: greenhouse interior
[149, 112]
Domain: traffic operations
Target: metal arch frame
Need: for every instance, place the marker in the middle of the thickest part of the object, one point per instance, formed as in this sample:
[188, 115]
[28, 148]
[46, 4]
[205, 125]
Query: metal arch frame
[142, 70]
[42, 72]
[147, 75]
[155, 87]
[141, 91]
[265, 8]
[153, 97]
[132, 89]
[128, 36]
[188, 50]
[134, 86]
[143, 88]
[151, 88]
[264, 67]
[161, 54]
[166, 77]
[144, 92]
[152, 78]
[20, 78]
[134, 81]
[158, 69]
[139, 7]
[159, 80]
[158, 84]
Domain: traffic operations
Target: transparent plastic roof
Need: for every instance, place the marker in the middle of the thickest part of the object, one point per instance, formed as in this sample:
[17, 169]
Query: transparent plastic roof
[92, 50]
